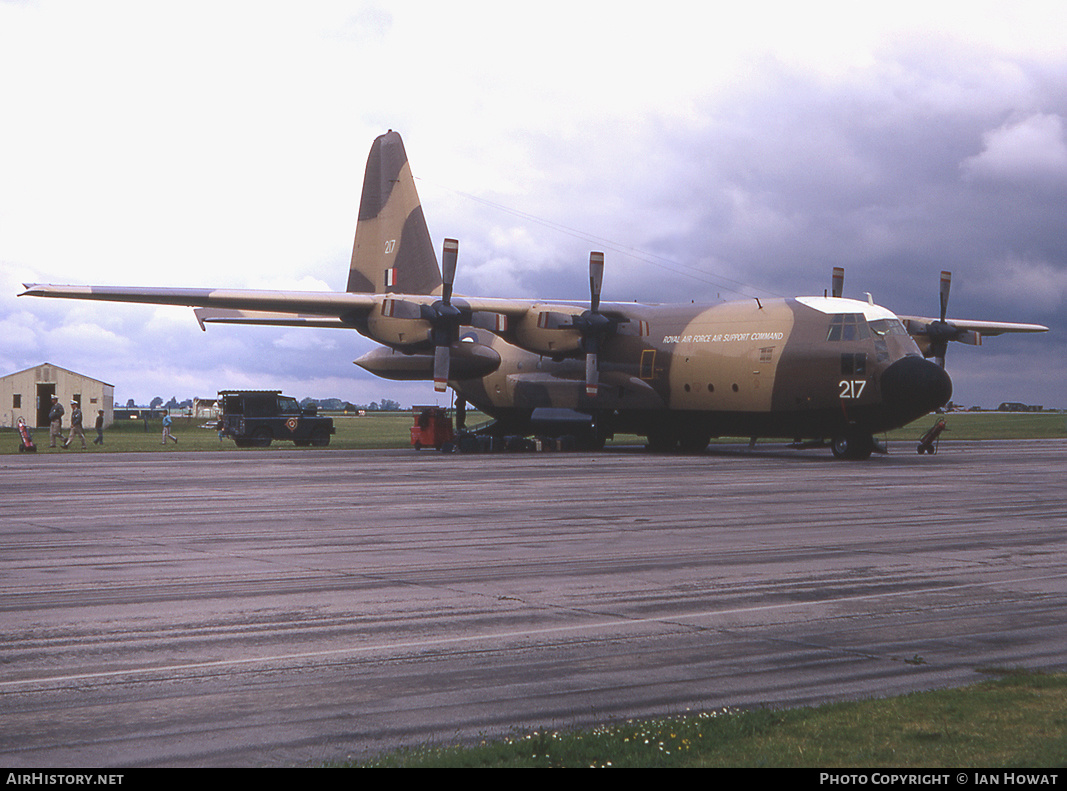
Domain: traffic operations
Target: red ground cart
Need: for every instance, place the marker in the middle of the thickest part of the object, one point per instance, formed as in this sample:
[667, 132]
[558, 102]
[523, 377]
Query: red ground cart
[432, 429]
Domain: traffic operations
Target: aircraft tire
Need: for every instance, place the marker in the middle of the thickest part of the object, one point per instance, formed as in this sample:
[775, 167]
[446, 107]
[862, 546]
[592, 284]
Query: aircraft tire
[854, 446]
[468, 443]
[662, 442]
[592, 442]
[694, 444]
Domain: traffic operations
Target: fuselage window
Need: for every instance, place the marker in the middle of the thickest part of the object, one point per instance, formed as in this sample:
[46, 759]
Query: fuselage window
[854, 364]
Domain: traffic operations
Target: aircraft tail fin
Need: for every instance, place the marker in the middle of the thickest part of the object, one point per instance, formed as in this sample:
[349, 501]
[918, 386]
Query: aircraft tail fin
[392, 251]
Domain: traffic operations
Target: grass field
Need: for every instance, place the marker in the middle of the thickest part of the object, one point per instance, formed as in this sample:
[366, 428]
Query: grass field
[385, 430]
[390, 430]
[992, 425]
[1016, 720]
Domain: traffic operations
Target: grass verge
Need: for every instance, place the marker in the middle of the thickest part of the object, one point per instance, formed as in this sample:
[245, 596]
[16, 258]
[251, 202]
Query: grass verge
[1016, 720]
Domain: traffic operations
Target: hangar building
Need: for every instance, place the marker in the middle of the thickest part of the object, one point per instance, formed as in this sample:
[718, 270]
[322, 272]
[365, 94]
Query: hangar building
[28, 394]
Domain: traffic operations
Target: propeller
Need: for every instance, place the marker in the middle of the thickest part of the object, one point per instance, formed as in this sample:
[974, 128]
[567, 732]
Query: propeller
[837, 281]
[939, 333]
[946, 284]
[444, 323]
[593, 325]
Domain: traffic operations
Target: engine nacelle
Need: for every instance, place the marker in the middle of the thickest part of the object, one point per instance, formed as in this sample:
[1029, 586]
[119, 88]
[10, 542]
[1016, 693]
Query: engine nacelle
[397, 322]
[549, 330]
[467, 361]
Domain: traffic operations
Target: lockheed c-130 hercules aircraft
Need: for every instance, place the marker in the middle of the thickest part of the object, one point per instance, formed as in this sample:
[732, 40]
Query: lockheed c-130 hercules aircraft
[809, 368]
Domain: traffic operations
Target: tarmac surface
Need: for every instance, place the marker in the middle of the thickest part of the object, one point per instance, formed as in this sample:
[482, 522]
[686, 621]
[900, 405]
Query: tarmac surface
[274, 608]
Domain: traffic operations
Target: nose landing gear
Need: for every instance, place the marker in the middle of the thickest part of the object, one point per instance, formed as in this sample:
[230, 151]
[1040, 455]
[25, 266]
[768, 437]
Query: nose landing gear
[853, 445]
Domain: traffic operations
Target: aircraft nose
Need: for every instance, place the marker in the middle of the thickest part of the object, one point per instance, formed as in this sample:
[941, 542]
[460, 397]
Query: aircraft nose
[912, 387]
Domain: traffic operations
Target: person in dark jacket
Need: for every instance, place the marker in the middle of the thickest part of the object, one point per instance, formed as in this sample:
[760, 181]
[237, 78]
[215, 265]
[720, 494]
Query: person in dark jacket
[99, 427]
[55, 422]
[75, 425]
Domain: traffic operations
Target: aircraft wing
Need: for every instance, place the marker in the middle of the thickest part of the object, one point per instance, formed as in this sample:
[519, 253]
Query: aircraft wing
[983, 328]
[284, 308]
[317, 303]
[294, 308]
[396, 320]
[320, 303]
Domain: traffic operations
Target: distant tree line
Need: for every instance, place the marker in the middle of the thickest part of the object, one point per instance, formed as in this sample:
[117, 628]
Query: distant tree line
[157, 402]
[326, 404]
[337, 405]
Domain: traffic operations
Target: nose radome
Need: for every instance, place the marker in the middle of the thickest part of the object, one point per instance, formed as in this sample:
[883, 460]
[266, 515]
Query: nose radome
[912, 387]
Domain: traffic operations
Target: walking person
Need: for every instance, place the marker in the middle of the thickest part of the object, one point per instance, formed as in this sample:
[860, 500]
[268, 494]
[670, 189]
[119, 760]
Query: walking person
[55, 422]
[99, 428]
[166, 430]
[75, 425]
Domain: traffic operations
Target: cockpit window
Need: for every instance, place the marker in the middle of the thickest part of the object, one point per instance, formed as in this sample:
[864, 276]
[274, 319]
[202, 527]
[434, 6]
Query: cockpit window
[848, 327]
[888, 327]
[902, 343]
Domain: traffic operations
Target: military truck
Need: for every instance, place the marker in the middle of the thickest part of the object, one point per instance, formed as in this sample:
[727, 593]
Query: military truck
[256, 417]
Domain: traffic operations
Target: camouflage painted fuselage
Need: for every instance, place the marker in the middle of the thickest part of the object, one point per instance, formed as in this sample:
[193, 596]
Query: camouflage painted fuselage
[796, 368]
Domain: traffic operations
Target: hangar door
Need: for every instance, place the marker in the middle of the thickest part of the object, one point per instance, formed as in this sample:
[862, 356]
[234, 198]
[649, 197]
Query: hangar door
[44, 402]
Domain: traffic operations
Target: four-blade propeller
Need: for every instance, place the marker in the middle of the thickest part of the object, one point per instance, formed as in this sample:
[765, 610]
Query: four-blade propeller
[934, 336]
[445, 321]
[593, 325]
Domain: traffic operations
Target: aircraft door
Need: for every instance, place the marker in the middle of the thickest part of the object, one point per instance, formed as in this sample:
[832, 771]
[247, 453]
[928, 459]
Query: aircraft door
[648, 364]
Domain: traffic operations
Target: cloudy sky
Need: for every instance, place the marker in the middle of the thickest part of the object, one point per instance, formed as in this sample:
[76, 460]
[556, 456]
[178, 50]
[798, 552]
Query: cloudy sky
[712, 151]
